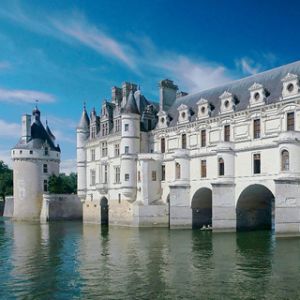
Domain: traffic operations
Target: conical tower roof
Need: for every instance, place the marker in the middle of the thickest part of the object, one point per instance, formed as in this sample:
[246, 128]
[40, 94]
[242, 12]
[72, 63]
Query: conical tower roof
[130, 106]
[84, 120]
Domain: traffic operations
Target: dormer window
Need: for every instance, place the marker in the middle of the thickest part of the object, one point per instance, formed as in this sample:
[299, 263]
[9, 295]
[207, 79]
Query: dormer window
[204, 108]
[290, 85]
[46, 151]
[258, 95]
[163, 120]
[183, 113]
[228, 102]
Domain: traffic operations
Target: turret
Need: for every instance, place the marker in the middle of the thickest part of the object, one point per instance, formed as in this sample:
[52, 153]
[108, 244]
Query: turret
[35, 158]
[83, 133]
[130, 147]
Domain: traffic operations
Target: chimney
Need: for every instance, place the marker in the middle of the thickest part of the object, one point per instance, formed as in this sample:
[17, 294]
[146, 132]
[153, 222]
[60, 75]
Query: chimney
[126, 88]
[26, 128]
[167, 95]
[116, 95]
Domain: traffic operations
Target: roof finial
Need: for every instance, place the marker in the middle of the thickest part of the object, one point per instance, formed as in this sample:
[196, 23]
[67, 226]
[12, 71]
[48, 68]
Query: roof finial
[84, 105]
[36, 103]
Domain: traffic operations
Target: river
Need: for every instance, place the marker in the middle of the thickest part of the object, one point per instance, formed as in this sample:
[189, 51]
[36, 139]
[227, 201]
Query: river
[68, 260]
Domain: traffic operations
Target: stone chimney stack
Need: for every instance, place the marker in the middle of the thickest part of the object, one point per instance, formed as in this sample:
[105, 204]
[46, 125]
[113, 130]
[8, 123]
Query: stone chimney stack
[26, 127]
[126, 88]
[167, 94]
[116, 95]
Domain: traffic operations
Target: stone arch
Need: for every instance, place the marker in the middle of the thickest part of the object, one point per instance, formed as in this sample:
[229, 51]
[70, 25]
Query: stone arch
[104, 211]
[255, 208]
[202, 208]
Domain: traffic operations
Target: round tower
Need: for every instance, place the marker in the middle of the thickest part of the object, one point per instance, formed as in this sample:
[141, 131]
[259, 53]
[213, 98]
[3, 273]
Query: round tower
[35, 158]
[83, 133]
[130, 147]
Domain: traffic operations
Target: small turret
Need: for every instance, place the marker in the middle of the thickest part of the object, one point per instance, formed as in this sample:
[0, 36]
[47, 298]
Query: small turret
[130, 147]
[83, 132]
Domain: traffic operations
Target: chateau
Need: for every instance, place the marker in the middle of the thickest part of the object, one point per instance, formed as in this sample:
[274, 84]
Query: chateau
[226, 157]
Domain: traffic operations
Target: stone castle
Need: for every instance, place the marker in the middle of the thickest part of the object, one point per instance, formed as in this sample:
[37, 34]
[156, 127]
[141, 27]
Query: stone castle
[226, 157]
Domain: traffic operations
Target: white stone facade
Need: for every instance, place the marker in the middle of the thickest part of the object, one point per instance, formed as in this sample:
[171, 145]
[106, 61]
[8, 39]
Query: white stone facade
[228, 157]
[35, 158]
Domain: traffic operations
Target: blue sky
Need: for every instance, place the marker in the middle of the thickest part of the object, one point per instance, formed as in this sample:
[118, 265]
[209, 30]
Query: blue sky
[66, 52]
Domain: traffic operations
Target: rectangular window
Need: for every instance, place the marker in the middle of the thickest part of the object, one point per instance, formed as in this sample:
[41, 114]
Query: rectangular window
[105, 174]
[227, 133]
[46, 151]
[290, 121]
[183, 141]
[203, 168]
[104, 149]
[203, 138]
[93, 132]
[162, 145]
[163, 172]
[45, 168]
[177, 171]
[117, 174]
[126, 127]
[126, 177]
[126, 149]
[92, 177]
[45, 185]
[256, 163]
[153, 175]
[149, 124]
[256, 128]
[30, 152]
[117, 149]
[93, 156]
[221, 167]
[119, 198]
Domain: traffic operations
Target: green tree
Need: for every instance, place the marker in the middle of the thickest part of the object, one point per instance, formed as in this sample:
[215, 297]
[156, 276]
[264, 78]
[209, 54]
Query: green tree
[6, 180]
[63, 184]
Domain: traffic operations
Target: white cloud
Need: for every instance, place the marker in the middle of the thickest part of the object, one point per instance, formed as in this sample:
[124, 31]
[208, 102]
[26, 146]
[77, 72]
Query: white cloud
[24, 96]
[192, 74]
[78, 28]
[248, 66]
[67, 166]
[9, 129]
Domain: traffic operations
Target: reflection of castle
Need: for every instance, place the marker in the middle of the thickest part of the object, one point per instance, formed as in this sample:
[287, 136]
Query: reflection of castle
[218, 157]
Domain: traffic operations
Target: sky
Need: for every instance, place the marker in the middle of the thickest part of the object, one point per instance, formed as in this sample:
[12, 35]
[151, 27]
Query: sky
[63, 53]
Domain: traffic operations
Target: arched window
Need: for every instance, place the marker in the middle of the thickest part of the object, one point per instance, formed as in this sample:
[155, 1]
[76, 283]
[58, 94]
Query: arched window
[285, 160]
[177, 171]
[221, 166]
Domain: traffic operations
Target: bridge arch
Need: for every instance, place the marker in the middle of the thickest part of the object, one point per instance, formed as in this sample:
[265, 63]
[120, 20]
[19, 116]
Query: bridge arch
[255, 208]
[202, 208]
[104, 211]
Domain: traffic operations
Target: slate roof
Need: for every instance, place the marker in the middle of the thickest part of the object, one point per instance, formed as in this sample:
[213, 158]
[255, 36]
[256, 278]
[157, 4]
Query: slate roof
[39, 136]
[271, 81]
[84, 120]
[130, 106]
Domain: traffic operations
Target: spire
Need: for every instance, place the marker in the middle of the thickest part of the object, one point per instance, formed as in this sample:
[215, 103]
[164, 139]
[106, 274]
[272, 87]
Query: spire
[130, 106]
[51, 135]
[36, 113]
[84, 120]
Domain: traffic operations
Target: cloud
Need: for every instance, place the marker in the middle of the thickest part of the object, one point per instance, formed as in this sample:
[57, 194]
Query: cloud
[248, 66]
[9, 129]
[78, 28]
[25, 96]
[192, 74]
[68, 165]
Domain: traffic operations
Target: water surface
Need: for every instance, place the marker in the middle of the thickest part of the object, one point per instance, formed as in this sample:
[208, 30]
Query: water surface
[68, 260]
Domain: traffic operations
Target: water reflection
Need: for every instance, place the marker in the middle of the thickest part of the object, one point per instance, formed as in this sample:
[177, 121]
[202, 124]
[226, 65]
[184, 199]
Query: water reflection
[74, 261]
